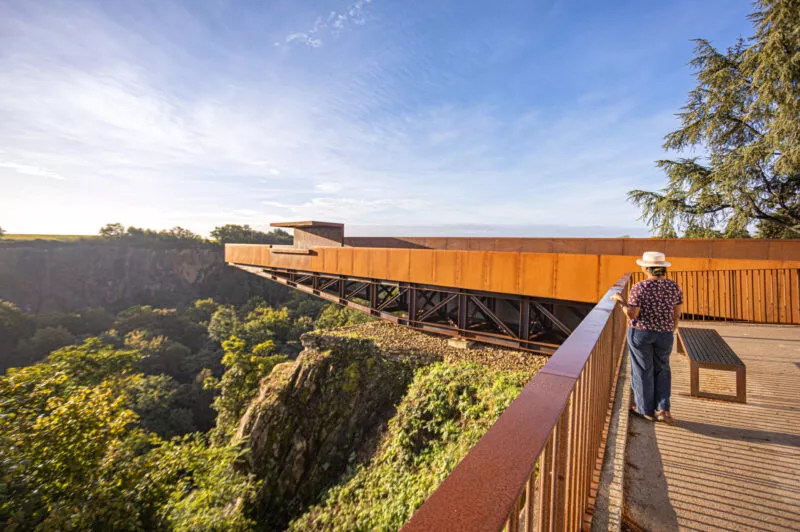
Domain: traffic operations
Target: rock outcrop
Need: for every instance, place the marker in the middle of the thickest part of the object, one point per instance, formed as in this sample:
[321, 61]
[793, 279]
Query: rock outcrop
[64, 276]
[316, 417]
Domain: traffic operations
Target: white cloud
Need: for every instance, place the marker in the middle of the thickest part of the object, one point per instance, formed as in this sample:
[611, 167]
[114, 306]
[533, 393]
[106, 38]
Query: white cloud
[328, 187]
[29, 169]
[333, 25]
[142, 142]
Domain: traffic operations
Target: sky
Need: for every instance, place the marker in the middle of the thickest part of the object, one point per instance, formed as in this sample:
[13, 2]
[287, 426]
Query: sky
[394, 117]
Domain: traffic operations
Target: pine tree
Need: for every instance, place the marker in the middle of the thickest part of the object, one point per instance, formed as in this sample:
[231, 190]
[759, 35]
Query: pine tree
[744, 115]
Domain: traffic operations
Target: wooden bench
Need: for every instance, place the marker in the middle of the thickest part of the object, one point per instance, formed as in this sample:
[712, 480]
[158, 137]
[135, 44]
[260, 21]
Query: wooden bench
[706, 349]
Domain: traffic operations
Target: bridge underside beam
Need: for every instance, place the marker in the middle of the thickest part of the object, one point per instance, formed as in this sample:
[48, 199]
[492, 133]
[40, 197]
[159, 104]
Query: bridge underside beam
[514, 321]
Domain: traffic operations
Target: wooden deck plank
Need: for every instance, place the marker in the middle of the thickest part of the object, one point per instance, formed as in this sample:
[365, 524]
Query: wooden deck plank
[724, 466]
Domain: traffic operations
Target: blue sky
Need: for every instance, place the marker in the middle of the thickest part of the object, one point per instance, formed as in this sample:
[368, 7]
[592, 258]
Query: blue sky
[518, 117]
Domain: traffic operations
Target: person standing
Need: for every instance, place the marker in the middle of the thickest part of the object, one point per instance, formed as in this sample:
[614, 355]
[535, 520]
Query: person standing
[653, 308]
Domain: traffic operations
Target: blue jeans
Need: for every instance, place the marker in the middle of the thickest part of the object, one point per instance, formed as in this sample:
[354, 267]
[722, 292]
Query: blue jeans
[651, 378]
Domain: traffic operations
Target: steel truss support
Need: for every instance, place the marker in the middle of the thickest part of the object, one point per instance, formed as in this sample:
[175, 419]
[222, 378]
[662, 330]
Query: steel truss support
[508, 320]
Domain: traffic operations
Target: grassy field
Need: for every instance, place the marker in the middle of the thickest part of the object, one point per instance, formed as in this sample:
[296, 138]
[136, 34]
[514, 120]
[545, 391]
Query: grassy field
[55, 238]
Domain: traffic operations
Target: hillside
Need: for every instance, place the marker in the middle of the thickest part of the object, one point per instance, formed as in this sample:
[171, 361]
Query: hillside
[52, 276]
[216, 417]
[364, 425]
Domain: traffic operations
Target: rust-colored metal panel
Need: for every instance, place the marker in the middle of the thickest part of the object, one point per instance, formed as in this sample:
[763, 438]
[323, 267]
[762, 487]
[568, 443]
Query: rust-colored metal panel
[612, 267]
[605, 246]
[233, 253]
[447, 268]
[481, 244]
[688, 247]
[330, 259]
[786, 250]
[738, 248]
[379, 267]
[721, 288]
[251, 254]
[421, 266]
[473, 269]
[278, 261]
[316, 261]
[263, 255]
[536, 245]
[345, 261]
[456, 244]
[636, 246]
[794, 295]
[248, 254]
[503, 272]
[744, 264]
[399, 265]
[576, 277]
[433, 242]
[537, 274]
[293, 262]
[313, 236]
[508, 244]
[686, 264]
[569, 245]
[361, 262]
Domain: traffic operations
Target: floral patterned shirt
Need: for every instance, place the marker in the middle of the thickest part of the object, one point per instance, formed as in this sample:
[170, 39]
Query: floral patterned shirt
[656, 299]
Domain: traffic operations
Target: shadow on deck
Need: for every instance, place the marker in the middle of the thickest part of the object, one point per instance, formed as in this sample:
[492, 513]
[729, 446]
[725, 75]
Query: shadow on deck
[724, 466]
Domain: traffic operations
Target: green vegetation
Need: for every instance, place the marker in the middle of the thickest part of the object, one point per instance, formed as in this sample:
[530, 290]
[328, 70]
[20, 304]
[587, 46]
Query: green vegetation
[175, 235]
[745, 115]
[335, 316]
[224, 234]
[230, 233]
[445, 412]
[75, 456]
[244, 234]
[126, 421]
[244, 370]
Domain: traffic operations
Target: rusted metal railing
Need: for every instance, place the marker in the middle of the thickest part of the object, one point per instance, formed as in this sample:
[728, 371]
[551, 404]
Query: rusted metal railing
[757, 295]
[536, 467]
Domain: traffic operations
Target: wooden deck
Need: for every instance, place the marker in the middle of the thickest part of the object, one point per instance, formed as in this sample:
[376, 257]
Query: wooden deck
[724, 466]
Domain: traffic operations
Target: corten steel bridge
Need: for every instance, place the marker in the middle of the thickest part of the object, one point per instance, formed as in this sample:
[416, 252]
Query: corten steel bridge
[537, 468]
[525, 293]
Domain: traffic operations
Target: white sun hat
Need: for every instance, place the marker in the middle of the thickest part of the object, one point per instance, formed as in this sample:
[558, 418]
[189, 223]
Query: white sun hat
[653, 259]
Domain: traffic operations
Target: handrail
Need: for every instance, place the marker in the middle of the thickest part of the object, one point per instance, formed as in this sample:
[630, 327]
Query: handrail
[755, 295]
[556, 423]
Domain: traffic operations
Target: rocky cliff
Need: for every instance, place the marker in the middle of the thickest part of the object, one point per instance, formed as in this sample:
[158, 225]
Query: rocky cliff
[316, 417]
[64, 276]
[358, 431]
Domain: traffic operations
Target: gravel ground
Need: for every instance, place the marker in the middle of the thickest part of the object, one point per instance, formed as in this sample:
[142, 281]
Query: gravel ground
[402, 340]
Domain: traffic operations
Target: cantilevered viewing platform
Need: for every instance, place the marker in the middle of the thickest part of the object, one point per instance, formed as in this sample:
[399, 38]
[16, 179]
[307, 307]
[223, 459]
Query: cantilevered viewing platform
[527, 293]
[560, 457]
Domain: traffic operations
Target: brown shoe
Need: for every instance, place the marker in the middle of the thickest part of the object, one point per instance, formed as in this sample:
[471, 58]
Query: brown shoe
[665, 416]
[637, 413]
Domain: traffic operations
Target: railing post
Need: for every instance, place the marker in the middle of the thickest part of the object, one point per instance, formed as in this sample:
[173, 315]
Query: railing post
[545, 487]
[561, 461]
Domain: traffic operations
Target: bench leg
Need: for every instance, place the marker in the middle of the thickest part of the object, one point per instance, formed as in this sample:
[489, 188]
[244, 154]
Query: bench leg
[694, 378]
[741, 385]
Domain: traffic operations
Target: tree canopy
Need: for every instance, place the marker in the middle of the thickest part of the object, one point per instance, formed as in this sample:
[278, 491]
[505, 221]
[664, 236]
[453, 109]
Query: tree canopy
[744, 117]
[176, 234]
[244, 234]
